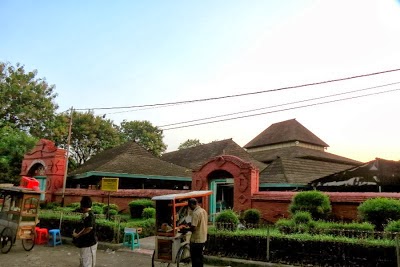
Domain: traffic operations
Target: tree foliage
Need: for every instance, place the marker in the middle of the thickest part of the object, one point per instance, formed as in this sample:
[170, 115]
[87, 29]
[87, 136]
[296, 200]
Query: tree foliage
[26, 102]
[189, 143]
[90, 134]
[14, 143]
[145, 134]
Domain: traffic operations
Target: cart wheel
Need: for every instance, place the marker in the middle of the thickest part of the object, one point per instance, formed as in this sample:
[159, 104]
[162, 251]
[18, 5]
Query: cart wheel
[29, 243]
[6, 240]
[158, 263]
[183, 257]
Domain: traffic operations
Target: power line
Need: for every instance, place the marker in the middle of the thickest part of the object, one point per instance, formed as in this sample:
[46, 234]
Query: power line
[285, 104]
[245, 94]
[286, 109]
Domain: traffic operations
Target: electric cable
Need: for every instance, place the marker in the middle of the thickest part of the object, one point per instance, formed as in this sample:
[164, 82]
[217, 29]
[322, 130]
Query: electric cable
[286, 109]
[289, 103]
[245, 94]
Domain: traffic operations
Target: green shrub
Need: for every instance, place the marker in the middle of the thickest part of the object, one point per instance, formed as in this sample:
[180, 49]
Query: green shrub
[227, 220]
[252, 216]
[97, 209]
[301, 222]
[315, 202]
[149, 213]
[75, 205]
[136, 207]
[98, 204]
[393, 226]
[379, 211]
[302, 217]
[50, 205]
[285, 226]
[113, 209]
[365, 226]
[112, 212]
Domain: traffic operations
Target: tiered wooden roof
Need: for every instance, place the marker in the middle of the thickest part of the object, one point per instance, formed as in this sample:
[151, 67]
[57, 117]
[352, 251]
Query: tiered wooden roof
[194, 157]
[283, 132]
[132, 159]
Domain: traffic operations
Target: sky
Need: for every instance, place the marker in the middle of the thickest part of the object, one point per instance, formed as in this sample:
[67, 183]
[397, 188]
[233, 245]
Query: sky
[103, 54]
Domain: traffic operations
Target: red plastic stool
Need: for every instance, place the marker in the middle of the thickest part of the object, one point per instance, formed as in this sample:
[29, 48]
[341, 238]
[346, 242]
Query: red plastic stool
[42, 236]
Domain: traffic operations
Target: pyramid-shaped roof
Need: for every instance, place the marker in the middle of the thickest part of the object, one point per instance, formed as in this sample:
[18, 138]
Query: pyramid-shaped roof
[283, 132]
[131, 158]
[195, 157]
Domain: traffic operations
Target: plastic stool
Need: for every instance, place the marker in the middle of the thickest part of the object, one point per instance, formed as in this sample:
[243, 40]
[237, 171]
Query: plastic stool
[131, 238]
[42, 236]
[55, 237]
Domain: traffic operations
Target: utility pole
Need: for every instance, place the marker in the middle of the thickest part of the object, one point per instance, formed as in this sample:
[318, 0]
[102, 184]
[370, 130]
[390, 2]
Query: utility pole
[67, 156]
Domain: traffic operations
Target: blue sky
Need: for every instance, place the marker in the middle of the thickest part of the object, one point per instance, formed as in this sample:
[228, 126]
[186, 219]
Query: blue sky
[124, 53]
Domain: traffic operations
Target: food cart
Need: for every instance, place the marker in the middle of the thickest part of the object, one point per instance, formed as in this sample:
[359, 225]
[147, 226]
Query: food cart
[172, 237]
[18, 216]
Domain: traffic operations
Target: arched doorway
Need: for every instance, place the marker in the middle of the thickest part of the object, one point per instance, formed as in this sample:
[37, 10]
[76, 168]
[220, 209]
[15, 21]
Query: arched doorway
[221, 183]
[219, 172]
[38, 171]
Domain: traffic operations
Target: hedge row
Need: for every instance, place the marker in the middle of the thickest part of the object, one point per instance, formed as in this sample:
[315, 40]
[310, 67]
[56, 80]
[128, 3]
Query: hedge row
[301, 251]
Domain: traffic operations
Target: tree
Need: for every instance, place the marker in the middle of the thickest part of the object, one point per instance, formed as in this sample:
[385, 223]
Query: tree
[189, 143]
[26, 102]
[14, 143]
[90, 134]
[145, 134]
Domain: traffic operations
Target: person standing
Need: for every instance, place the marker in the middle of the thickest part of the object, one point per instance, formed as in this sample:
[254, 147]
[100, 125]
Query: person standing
[199, 232]
[86, 238]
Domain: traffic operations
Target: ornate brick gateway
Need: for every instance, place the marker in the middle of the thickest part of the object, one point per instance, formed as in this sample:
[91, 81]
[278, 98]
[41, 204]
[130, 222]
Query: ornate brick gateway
[47, 161]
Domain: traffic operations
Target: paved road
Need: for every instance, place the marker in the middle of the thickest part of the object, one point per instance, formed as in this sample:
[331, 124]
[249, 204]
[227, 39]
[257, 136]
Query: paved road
[68, 256]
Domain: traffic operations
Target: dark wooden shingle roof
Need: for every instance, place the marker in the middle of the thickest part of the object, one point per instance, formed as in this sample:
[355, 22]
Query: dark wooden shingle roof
[195, 157]
[132, 159]
[299, 171]
[378, 172]
[283, 132]
[267, 156]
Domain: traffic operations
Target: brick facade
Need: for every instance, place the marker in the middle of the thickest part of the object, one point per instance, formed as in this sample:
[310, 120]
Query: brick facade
[45, 159]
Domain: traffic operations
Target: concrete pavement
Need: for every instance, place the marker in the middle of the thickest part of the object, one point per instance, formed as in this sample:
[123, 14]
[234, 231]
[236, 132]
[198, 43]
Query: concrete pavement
[147, 246]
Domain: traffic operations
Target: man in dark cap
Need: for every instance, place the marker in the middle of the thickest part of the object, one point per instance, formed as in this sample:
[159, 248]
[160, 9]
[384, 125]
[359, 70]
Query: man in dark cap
[86, 239]
[199, 232]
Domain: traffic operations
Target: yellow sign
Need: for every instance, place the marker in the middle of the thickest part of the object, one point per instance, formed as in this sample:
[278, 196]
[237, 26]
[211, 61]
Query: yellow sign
[109, 184]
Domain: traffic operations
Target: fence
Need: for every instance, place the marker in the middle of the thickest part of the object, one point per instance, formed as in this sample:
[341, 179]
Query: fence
[326, 247]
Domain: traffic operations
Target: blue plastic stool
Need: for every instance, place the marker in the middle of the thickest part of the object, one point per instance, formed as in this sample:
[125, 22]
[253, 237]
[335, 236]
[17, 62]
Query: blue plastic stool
[55, 237]
[131, 238]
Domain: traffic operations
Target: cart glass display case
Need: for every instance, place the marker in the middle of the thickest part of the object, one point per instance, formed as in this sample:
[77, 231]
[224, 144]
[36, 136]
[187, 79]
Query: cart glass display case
[19, 213]
[172, 211]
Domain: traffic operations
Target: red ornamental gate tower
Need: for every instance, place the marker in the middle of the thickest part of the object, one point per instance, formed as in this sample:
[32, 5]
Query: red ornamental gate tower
[46, 161]
[245, 179]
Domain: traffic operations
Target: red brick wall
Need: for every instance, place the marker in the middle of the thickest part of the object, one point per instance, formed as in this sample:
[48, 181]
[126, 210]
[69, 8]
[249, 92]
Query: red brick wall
[275, 205]
[120, 198]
